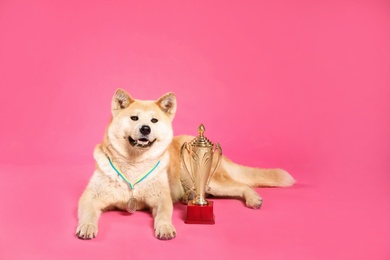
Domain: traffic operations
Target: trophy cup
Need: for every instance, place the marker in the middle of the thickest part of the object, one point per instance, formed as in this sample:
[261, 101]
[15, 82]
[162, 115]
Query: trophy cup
[197, 160]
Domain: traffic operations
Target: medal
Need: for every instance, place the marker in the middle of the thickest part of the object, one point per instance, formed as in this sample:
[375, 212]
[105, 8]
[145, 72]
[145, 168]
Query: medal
[132, 205]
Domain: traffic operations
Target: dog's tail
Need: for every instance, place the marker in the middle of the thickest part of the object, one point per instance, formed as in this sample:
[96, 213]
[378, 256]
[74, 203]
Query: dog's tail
[256, 177]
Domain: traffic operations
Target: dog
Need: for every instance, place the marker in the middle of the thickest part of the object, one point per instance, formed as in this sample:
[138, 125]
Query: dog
[138, 167]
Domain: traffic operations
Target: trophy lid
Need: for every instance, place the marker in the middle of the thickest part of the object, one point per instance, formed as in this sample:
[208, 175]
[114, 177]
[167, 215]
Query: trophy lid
[201, 140]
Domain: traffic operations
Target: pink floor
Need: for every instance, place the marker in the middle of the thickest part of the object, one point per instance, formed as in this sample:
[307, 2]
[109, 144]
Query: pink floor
[300, 85]
[332, 216]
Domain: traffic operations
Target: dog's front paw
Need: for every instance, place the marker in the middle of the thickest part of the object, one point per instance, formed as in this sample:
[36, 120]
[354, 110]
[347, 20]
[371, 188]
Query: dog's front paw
[86, 231]
[165, 231]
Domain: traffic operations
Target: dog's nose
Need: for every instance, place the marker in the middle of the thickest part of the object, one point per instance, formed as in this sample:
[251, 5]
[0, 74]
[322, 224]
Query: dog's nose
[145, 130]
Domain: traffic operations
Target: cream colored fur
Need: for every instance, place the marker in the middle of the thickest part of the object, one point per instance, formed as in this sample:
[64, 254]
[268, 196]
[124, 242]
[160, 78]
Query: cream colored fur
[134, 153]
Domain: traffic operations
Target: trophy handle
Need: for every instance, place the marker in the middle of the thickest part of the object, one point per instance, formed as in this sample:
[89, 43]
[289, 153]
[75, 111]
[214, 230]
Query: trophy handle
[217, 147]
[183, 148]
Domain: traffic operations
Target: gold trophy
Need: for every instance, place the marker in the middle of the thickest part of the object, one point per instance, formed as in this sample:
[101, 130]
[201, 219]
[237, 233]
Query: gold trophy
[197, 160]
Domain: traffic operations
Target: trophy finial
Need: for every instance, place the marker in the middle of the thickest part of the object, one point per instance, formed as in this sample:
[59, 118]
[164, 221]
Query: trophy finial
[201, 130]
[201, 140]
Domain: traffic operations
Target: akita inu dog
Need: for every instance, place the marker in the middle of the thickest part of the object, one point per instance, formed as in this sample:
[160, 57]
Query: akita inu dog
[138, 162]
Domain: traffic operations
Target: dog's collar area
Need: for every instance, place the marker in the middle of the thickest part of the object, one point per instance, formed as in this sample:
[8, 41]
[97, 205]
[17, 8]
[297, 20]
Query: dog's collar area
[142, 142]
[124, 177]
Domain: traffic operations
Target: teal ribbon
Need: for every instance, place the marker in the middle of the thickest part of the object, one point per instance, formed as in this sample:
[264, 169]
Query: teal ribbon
[126, 180]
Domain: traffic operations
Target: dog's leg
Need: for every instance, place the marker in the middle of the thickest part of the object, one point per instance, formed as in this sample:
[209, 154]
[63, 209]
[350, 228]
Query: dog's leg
[225, 186]
[162, 214]
[88, 213]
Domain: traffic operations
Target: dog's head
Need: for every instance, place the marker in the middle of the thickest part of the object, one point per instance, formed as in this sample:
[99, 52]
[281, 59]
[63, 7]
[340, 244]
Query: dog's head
[140, 126]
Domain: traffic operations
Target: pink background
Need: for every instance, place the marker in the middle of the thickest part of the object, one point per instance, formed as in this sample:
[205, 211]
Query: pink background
[301, 85]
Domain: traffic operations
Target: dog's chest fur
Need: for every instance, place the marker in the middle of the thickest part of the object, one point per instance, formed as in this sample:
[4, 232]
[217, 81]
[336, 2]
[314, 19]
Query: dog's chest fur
[148, 190]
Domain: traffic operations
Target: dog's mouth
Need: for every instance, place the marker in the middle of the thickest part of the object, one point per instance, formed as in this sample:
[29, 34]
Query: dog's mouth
[141, 143]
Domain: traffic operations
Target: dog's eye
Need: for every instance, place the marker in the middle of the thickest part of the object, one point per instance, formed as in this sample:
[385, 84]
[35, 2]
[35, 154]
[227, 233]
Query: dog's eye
[134, 118]
[154, 120]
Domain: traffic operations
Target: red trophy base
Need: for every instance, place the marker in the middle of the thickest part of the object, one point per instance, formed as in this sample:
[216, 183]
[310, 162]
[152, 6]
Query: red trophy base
[197, 214]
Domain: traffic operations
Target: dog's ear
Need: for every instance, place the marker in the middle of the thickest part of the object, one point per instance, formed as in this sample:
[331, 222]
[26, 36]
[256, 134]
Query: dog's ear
[120, 101]
[167, 103]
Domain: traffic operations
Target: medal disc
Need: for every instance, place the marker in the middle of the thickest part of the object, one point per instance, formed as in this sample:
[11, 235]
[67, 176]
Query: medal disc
[132, 205]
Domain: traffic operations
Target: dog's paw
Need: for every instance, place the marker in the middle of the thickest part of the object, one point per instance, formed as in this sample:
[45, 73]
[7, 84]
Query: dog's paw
[254, 202]
[165, 231]
[86, 231]
[188, 196]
